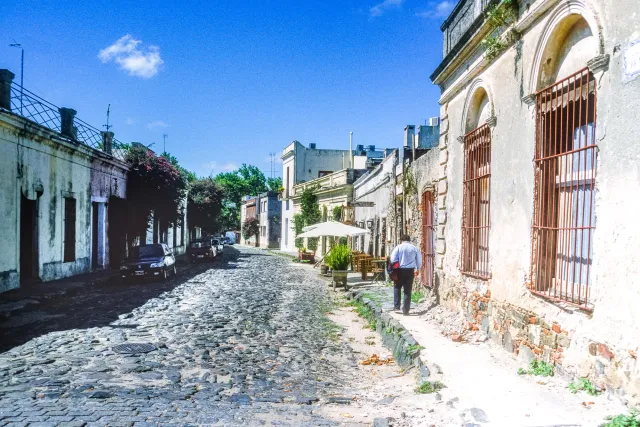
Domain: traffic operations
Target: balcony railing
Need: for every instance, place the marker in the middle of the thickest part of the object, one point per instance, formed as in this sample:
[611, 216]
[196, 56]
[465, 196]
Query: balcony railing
[326, 182]
[42, 112]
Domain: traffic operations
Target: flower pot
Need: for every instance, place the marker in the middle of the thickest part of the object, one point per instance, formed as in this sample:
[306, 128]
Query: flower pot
[339, 277]
[324, 269]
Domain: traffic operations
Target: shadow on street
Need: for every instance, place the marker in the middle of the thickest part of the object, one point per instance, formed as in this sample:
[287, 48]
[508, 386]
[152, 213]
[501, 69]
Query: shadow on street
[87, 301]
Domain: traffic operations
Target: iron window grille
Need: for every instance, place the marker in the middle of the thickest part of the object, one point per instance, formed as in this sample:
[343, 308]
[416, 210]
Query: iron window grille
[564, 174]
[476, 203]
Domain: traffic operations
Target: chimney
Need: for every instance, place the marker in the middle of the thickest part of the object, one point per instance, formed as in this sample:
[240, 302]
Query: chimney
[409, 135]
[66, 122]
[312, 145]
[107, 142]
[359, 147]
[6, 78]
[372, 148]
[434, 121]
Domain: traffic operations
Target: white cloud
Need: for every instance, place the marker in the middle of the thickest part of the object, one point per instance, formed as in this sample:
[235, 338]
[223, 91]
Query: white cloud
[438, 10]
[156, 124]
[133, 58]
[213, 168]
[381, 8]
[229, 167]
[129, 121]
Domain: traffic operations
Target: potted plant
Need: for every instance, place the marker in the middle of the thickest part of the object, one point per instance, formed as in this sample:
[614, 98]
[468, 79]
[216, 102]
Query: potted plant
[339, 260]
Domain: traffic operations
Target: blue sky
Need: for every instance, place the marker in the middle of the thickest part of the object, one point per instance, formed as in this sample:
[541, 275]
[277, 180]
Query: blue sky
[230, 82]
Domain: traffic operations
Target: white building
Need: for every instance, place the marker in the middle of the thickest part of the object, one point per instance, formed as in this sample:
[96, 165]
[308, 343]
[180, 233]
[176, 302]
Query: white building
[301, 164]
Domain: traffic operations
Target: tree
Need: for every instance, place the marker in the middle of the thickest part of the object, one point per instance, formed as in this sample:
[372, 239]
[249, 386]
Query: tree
[274, 184]
[309, 215]
[250, 228]
[155, 185]
[248, 180]
[204, 205]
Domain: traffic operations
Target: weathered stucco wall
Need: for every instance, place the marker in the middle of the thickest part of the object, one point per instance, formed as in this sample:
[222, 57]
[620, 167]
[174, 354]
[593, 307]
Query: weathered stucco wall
[601, 344]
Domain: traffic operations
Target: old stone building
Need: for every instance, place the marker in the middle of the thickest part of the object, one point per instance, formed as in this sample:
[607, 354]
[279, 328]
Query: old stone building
[535, 181]
[62, 184]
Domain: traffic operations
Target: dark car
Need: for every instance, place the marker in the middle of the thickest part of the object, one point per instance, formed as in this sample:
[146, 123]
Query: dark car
[154, 260]
[218, 244]
[202, 249]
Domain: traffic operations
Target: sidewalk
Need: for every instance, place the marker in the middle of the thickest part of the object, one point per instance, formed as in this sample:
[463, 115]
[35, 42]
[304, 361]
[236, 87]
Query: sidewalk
[481, 379]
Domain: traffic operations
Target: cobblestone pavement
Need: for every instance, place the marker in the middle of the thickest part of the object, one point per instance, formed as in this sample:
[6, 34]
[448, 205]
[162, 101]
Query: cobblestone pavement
[245, 344]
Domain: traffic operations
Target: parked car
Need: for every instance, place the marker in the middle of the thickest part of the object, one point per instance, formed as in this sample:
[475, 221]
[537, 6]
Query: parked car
[202, 249]
[218, 244]
[155, 260]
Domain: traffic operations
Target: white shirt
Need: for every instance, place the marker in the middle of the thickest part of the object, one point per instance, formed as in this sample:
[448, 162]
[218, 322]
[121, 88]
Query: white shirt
[408, 255]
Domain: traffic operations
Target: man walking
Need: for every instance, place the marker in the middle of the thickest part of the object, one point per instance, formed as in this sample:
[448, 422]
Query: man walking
[410, 262]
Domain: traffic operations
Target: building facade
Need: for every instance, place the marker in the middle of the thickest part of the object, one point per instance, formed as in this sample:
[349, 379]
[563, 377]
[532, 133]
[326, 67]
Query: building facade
[302, 164]
[266, 207]
[60, 193]
[534, 184]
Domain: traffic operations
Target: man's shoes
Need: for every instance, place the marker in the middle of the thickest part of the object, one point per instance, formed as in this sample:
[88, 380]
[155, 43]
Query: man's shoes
[396, 310]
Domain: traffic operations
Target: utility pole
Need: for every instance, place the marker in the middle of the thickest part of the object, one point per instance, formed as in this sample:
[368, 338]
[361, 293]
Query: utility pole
[164, 143]
[16, 44]
[108, 126]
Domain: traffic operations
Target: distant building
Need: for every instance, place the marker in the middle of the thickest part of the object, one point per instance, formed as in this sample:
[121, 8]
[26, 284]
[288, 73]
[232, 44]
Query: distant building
[302, 164]
[266, 207]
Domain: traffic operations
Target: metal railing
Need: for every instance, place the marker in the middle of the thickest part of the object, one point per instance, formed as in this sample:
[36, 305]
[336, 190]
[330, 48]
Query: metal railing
[42, 112]
[565, 169]
[476, 207]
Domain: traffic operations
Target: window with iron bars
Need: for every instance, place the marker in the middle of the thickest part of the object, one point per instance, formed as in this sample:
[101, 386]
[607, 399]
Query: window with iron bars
[476, 204]
[565, 169]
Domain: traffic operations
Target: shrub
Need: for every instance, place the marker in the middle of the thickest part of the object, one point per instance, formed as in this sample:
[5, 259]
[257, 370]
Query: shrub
[339, 258]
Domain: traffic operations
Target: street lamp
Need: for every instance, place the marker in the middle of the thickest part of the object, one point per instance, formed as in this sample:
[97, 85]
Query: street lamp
[16, 44]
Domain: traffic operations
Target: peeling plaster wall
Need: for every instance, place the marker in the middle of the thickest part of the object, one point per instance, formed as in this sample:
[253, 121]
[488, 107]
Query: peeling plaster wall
[602, 345]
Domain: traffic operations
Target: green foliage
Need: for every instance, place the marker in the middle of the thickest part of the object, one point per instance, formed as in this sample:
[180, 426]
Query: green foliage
[624, 420]
[409, 184]
[583, 384]
[155, 185]
[298, 225]
[309, 207]
[429, 387]
[337, 213]
[417, 296]
[366, 313]
[538, 368]
[497, 16]
[414, 348]
[339, 258]
[274, 184]
[250, 228]
[204, 204]
[248, 180]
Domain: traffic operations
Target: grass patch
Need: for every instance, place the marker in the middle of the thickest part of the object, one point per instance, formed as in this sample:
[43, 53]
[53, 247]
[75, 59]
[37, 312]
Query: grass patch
[417, 296]
[583, 384]
[429, 387]
[366, 313]
[414, 348]
[624, 420]
[538, 368]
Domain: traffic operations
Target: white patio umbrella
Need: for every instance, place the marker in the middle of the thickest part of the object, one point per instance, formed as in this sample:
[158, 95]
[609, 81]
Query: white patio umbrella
[332, 228]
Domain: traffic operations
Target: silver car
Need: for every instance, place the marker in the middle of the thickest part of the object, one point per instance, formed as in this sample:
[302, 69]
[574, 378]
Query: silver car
[218, 244]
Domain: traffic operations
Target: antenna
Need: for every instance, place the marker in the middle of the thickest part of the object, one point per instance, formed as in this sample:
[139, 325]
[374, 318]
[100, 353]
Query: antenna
[108, 126]
[164, 143]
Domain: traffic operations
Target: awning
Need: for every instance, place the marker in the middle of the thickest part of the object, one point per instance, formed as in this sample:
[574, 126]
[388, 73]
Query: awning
[332, 228]
[561, 97]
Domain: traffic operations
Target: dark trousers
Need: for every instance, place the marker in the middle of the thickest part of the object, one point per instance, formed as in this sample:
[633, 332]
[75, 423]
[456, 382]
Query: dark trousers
[405, 282]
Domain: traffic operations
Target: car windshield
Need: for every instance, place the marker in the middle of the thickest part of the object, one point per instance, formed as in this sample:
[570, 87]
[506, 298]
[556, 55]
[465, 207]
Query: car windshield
[201, 244]
[149, 251]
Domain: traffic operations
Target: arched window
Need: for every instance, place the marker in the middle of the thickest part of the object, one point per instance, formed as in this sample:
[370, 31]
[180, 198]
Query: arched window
[565, 166]
[477, 175]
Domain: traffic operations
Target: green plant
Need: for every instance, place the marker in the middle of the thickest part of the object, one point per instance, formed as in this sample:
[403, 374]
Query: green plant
[366, 313]
[414, 348]
[497, 16]
[337, 213]
[409, 184]
[429, 387]
[624, 420]
[417, 296]
[538, 368]
[339, 258]
[583, 384]
[250, 228]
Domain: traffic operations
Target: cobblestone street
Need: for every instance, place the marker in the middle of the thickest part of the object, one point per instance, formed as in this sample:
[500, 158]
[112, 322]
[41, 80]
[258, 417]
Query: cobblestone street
[244, 342]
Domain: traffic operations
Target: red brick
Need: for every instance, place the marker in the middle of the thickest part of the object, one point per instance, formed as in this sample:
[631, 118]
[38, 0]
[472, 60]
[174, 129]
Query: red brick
[604, 351]
[556, 328]
[532, 320]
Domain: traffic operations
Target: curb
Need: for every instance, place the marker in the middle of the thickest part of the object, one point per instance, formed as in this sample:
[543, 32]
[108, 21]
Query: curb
[398, 339]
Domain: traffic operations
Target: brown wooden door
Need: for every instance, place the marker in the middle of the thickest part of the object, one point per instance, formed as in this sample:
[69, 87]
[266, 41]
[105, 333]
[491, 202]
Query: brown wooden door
[428, 237]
